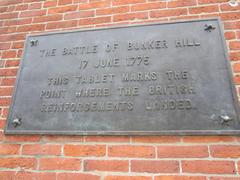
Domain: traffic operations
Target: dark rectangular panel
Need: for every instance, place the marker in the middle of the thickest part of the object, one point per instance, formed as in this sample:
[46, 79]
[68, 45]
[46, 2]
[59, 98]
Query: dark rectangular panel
[171, 78]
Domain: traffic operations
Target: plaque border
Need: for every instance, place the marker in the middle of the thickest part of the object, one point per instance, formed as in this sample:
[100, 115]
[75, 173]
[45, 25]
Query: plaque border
[134, 133]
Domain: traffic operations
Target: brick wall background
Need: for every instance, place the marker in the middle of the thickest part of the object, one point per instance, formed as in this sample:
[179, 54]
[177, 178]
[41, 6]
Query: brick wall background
[107, 157]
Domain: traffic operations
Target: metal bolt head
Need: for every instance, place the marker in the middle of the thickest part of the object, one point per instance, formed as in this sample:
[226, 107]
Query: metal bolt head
[224, 119]
[16, 122]
[209, 27]
[33, 42]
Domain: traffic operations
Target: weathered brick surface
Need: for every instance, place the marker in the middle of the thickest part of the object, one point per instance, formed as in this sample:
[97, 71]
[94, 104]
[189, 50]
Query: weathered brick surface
[110, 157]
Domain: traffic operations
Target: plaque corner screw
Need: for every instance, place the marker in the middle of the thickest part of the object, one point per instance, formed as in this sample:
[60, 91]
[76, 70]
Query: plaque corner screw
[209, 27]
[225, 119]
[16, 122]
[33, 42]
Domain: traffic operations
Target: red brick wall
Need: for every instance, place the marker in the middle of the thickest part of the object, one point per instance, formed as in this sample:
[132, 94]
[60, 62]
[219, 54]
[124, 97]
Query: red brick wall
[120, 157]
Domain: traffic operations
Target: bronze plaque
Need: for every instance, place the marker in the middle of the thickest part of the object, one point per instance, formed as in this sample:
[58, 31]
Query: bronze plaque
[171, 78]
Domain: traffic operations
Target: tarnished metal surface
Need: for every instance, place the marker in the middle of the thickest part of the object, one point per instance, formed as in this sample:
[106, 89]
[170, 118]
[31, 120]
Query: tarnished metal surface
[169, 78]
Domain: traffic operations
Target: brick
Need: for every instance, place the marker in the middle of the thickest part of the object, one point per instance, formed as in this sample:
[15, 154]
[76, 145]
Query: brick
[230, 16]
[63, 9]
[5, 46]
[30, 28]
[131, 151]
[5, 101]
[115, 139]
[128, 178]
[224, 178]
[17, 45]
[12, 37]
[238, 166]
[212, 15]
[8, 15]
[156, 139]
[64, 2]
[184, 17]
[112, 10]
[145, 166]
[18, 162]
[62, 24]
[92, 21]
[208, 167]
[80, 14]
[48, 18]
[225, 151]
[234, 45]
[3, 9]
[7, 2]
[17, 22]
[227, 7]
[182, 151]
[85, 150]
[21, 7]
[168, 13]
[59, 164]
[211, 1]
[2, 125]
[35, 175]
[124, 2]
[47, 4]
[22, 138]
[180, 178]
[6, 175]
[148, 6]
[11, 8]
[130, 16]
[6, 91]
[22, 175]
[19, 53]
[238, 34]
[79, 1]
[230, 35]
[1, 136]
[7, 149]
[234, 56]
[236, 79]
[94, 5]
[41, 149]
[181, 3]
[35, 6]
[106, 165]
[77, 176]
[29, 1]
[32, 13]
[9, 54]
[7, 30]
[2, 62]
[5, 112]
[8, 81]
[236, 67]
[55, 138]
[208, 139]
[203, 9]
